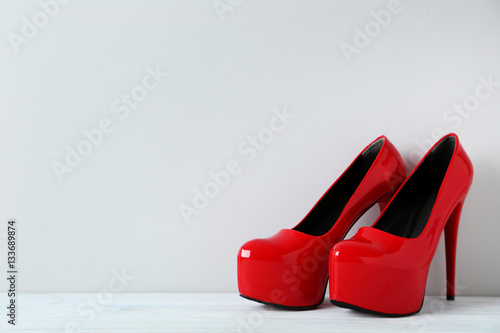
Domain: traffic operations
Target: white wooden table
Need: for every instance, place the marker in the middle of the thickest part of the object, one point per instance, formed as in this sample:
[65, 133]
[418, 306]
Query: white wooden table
[231, 313]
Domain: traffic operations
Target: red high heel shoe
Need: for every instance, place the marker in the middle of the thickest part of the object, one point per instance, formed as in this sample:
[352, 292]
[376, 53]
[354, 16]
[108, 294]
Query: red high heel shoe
[290, 269]
[383, 269]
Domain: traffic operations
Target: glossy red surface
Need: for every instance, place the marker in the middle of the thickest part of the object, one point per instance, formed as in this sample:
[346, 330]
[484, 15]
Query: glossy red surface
[290, 269]
[381, 272]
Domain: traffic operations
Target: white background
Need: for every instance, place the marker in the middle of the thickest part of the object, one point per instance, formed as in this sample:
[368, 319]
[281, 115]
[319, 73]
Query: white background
[118, 209]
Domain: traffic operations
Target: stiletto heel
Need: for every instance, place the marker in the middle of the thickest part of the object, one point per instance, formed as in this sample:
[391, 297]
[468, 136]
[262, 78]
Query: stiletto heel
[383, 269]
[450, 238]
[290, 269]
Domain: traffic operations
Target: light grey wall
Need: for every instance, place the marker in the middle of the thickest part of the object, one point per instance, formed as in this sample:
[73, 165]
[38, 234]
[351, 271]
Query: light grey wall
[230, 69]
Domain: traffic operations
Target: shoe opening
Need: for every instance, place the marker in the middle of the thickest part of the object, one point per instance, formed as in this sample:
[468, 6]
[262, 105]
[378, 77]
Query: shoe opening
[327, 211]
[409, 211]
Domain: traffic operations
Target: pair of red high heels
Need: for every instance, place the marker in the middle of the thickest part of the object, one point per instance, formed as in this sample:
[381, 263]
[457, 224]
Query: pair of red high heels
[383, 268]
